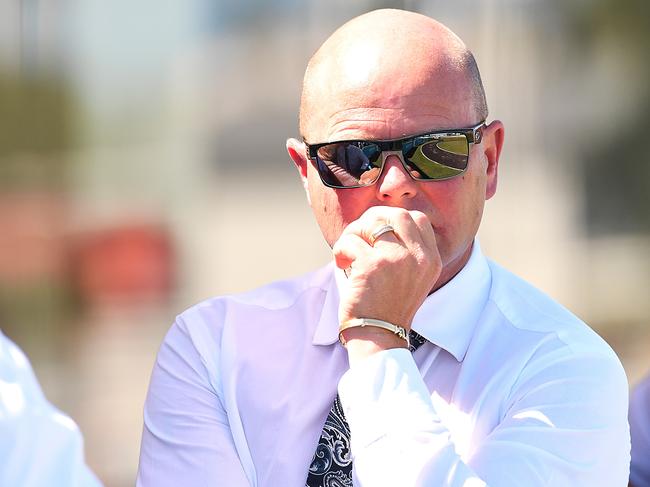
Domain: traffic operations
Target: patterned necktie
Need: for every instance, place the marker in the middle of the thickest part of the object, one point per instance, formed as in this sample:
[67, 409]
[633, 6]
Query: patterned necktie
[332, 462]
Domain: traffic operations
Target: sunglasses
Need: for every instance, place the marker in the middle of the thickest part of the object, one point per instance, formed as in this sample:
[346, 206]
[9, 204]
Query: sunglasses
[432, 156]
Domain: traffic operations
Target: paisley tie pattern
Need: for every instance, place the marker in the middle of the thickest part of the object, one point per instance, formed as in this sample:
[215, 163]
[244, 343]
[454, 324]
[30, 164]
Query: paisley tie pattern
[332, 462]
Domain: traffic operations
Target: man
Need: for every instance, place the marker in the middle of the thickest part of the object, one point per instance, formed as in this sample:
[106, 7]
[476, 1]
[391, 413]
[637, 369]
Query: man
[505, 388]
[640, 431]
[39, 445]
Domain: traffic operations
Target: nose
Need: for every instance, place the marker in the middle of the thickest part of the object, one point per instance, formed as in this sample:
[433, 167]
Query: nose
[395, 184]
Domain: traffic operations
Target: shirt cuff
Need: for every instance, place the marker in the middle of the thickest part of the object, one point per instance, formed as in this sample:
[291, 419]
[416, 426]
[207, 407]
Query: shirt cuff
[384, 395]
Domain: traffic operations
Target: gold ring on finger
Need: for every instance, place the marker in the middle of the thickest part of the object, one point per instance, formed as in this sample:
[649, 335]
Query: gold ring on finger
[379, 231]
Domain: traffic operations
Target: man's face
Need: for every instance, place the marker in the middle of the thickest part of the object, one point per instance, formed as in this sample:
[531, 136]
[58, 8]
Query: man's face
[389, 104]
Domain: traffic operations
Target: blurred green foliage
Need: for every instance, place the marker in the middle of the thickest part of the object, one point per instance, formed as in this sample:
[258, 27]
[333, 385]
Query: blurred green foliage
[628, 20]
[38, 315]
[617, 167]
[36, 130]
[37, 113]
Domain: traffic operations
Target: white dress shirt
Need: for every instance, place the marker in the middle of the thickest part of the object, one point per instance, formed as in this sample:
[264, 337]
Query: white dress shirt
[510, 390]
[640, 429]
[39, 445]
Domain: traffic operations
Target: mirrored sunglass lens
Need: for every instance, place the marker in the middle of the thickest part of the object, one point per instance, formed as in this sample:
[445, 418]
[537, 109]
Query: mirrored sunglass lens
[348, 164]
[441, 158]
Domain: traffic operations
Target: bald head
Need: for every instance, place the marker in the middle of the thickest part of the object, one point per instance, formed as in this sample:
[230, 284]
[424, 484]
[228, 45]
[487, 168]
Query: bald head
[383, 58]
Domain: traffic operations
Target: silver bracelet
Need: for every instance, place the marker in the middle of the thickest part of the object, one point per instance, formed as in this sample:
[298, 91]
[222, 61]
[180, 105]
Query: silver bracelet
[356, 322]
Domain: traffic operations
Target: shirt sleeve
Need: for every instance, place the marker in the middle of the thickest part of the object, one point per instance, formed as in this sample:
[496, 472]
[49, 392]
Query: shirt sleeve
[640, 431]
[186, 438]
[564, 427]
[39, 445]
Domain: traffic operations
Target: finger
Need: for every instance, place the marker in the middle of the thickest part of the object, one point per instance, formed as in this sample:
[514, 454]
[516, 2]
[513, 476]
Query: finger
[367, 225]
[380, 231]
[412, 228]
[406, 231]
[405, 228]
[425, 228]
[348, 248]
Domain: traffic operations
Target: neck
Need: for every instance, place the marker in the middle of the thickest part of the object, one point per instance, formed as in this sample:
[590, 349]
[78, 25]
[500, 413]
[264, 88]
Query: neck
[450, 270]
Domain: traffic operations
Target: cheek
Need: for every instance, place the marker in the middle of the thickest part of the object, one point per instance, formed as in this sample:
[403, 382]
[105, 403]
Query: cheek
[325, 207]
[353, 202]
[459, 204]
[335, 209]
[471, 198]
[342, 205]
[325, 214]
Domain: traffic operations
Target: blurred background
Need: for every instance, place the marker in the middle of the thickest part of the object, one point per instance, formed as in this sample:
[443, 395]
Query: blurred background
[142, 169]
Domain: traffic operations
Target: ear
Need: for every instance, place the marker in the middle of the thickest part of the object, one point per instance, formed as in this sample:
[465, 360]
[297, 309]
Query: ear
[298, 154]
[492, 143]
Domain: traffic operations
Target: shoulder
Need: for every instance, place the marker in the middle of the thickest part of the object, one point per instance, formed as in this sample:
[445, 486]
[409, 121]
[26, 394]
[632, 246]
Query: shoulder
[527, 308]
[200, 346]
[640, 408]
[16, 369]
[202, 326]
[557, 357]
[640, 431]
[552, 338]
[554, 371]
[276, 296]
[642, 390]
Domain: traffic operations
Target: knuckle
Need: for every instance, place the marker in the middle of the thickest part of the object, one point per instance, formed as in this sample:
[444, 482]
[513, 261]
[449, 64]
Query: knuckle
[419, 217]
[426, 261]
[373, 212]
[420, 255]
[345, 242]
[402, 216]
[339, 243]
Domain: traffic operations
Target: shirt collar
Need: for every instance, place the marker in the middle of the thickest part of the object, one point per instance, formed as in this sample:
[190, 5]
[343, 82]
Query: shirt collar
[446, 318]
[327, 331]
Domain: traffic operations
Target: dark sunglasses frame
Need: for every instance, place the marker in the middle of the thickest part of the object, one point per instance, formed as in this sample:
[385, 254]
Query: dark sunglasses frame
[474, 135]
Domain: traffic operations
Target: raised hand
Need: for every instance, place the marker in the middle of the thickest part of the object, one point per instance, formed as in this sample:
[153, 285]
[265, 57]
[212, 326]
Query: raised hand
[388, 277]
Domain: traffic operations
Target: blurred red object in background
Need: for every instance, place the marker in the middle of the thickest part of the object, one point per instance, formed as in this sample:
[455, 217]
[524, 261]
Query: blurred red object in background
[32, 237]
[128, 263]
